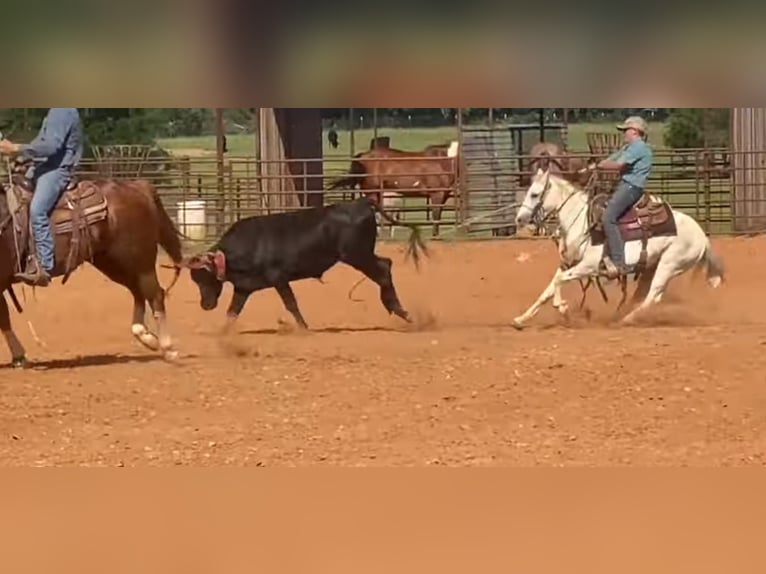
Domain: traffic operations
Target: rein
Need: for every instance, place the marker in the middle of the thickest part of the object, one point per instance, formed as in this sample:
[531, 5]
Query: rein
[10, 218]
[541, 219]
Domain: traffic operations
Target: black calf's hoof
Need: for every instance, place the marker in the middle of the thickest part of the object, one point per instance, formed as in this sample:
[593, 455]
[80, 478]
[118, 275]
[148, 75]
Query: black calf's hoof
[19, 363]
[402, 314]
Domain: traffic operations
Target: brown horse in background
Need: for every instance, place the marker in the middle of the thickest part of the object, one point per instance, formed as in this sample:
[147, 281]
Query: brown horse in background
[115, 225]
[551, 155]
[431, 173]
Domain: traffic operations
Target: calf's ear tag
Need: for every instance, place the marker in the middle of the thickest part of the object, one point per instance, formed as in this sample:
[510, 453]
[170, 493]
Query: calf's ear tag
[219, 262]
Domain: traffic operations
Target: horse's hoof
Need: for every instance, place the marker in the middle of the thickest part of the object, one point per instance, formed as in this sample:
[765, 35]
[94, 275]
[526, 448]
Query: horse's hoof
[19, 363]
[171, 355]
[516, 324]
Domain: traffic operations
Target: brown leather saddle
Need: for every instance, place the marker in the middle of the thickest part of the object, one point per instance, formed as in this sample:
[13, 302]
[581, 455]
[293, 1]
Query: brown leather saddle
[649, 217]
[81, 205]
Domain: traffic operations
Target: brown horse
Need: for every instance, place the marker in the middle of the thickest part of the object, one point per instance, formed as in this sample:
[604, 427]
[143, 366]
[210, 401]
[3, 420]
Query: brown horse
[114, 225]
[430, 173]
[551, 155]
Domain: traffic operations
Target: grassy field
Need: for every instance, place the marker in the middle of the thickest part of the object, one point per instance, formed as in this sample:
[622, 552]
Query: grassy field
[240, 145]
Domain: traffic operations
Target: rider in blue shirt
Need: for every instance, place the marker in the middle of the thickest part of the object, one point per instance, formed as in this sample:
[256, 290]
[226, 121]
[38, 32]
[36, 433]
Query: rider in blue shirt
[634, 161]
[56, 151]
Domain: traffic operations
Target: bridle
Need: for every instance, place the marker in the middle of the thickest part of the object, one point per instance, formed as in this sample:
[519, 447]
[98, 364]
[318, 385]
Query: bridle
[540, 218]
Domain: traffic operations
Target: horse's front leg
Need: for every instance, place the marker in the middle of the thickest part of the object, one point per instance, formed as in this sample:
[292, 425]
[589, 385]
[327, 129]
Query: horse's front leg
[18, 354]
[585, 269]
[552, 291]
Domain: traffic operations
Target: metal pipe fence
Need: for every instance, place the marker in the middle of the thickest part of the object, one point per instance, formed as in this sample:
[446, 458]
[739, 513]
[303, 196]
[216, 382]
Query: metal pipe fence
[718, 187]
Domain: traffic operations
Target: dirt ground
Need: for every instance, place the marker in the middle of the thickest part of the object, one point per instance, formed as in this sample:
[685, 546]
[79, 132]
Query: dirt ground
[686, 387]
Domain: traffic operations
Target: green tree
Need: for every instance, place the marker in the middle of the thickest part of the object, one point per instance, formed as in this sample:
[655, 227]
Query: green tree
[698, 127]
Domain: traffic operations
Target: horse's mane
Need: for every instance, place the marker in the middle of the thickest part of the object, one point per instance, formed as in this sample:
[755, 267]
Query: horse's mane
[570, 188]
[576, 186]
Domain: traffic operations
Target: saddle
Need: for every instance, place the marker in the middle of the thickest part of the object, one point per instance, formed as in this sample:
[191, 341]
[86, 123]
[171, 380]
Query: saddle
[81, 205]
[649, 217]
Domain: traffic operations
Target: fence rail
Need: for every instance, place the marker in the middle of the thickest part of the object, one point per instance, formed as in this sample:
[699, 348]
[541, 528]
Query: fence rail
[205, 196]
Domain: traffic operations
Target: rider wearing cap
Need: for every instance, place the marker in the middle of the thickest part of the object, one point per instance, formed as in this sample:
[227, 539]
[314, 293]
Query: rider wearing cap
[634, 161]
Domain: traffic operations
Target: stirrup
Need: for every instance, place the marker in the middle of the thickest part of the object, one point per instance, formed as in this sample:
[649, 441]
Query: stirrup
[34, 275]
[38, 279]
[609, 269]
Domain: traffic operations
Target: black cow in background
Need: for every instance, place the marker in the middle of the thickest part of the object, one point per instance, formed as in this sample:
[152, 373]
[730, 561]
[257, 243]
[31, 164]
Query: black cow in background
[274, 250]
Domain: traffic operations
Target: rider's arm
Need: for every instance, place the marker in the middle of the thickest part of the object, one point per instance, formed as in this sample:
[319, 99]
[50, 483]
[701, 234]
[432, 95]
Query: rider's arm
[50, 141]
[611, 164]
[618, 160]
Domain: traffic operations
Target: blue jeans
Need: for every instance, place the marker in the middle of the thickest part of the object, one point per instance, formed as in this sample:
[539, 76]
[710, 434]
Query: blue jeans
[625, 197]
[48, 189]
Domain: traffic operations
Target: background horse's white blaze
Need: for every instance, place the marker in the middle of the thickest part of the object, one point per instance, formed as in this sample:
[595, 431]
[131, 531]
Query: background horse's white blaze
[667, 257]
[453, 150]
[391, 201]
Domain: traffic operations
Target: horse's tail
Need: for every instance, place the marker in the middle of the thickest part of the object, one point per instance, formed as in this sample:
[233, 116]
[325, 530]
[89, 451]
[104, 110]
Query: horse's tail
[169, 237]
[415, 244]
[713, 266]
[354, 177]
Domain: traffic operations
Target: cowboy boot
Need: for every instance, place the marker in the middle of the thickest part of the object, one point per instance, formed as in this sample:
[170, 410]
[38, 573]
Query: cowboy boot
[610, 269]
[34, 275]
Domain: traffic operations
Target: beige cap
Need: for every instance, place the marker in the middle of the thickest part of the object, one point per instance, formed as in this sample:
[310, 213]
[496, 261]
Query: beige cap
[635, 122]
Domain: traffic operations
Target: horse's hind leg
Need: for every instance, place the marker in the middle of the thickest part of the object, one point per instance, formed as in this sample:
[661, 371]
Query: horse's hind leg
[138, 327]
[662, 276]
[18, 354]
[644, 283]
[151, 290]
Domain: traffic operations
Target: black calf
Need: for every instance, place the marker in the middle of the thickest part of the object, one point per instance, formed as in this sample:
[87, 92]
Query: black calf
[272, 251]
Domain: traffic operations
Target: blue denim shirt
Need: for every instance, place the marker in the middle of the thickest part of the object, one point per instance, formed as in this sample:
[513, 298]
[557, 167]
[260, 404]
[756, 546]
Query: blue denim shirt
[638, 157]
[59, 144]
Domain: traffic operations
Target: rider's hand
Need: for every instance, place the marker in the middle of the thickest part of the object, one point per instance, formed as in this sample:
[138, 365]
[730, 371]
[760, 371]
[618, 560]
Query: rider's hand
[8, 147]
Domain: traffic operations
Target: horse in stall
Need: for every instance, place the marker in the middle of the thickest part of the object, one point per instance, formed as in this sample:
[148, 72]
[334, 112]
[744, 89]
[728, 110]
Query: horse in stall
[660, 241]
[383, 173]
[115, 225]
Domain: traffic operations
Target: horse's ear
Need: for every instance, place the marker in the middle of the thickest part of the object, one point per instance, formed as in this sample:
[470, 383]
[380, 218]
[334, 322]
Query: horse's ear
[545, 159]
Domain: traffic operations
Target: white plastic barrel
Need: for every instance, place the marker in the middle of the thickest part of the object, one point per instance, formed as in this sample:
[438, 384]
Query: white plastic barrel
[191, 219]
